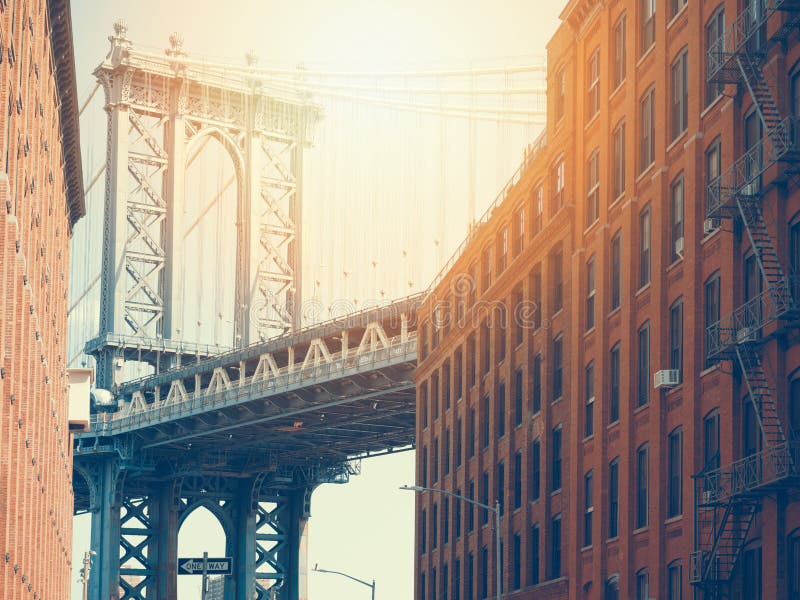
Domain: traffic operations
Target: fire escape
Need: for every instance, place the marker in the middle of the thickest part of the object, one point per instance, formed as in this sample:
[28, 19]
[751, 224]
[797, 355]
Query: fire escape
[727, 498]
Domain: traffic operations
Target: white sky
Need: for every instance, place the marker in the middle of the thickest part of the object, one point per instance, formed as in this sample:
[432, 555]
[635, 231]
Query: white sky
[365, 527]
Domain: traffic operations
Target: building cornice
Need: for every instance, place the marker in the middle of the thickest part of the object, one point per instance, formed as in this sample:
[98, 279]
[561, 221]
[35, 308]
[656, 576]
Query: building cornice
[64, 61]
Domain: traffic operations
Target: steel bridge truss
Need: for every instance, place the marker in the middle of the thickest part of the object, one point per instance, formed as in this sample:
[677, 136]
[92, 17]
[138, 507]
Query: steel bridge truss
[726, 499]
[161, 112]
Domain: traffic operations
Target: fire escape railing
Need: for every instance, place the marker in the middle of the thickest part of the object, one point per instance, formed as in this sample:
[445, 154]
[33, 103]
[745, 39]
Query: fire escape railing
[727, 498]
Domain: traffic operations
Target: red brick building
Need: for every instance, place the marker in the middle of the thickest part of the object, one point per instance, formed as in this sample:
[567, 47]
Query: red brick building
[614, 354]
[41, 198]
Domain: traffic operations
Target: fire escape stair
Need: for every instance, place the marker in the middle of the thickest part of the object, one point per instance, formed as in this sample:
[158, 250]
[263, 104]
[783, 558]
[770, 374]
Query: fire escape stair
[761, 396]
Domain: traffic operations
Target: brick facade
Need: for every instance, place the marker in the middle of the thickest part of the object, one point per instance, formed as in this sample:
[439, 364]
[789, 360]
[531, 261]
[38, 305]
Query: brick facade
[41, 197]
[605, 246]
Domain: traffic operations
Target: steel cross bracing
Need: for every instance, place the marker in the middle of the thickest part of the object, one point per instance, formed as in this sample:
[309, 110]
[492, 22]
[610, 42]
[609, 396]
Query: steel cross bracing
[726, 499]
[161, 112]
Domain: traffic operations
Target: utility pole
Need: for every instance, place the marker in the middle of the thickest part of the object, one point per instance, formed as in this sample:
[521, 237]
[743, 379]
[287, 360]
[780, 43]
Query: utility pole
[205, 575]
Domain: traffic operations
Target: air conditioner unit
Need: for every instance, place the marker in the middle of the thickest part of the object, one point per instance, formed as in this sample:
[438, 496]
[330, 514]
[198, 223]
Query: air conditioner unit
[745, 334]
[679, 247]
[666, 378]
[708, 497]
[710, 226]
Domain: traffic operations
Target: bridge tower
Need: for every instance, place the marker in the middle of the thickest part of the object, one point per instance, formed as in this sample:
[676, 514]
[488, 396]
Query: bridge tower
[162, 109]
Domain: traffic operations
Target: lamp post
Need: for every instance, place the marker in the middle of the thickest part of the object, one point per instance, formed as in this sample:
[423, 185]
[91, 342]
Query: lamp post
[361, 581]
[495, 509]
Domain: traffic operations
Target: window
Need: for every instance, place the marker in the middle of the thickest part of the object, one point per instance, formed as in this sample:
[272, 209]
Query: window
[645, 233]
[675, 473]
[675, 581]
[555, 451]
[558, 366]
[423, 531]
[500, 410]
[593, 188]
[517, 567]
[619, 52]
[447, 452]
[555, 547]
[485, 424]
[613, 397]
[435, 459]
[502, 250]
[751, 435]
[556, 265]
[589, 410]
[536, 477]
[713, 166]
[487, 268]
[485, 497]
[422, 586]
[591, 292]
[557, 187]
[517, 311]
[518, 233]
[538, 209]
[435, 395]
[424, 465]
[675, 7]
[616, 270]
[518, 479]
[793, 551]
[470, 576]
[711, 318]
[752, 152]
[593, 85]
[435, 526]
[473, 283]
[533, 553]
[446, 384]
[715, 44]
[794, 257]
[561, 93]
[471, 360]
[711, 458]
[457, 370]
[471, 438]
[471, 507]
[457, 580]
[487, 348]
[484, 571]
[642, 482]
[445, 580]
[752, 290]
[423, 402]
[611, 591]
[676, 338]
[647, 140]
[642, 585]
[643, 365]
[647, 35]
[679, 113]
[613, 498]
[536, 296]
[518, 397]
[751, 573]
[619, 161]
[457, 516]
[536, 377]
[501, 325]
[676, 252]
[794, 409]
[445, 520]
[588, 509]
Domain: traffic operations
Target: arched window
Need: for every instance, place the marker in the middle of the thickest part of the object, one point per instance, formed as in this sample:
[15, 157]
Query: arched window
[751, 571]
[611, 591]
[793, 552]
[642, 585]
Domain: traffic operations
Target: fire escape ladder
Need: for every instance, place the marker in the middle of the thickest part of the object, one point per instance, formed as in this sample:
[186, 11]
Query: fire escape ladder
[776, 128]
[761, 396]
[730, 539]
[778, 290]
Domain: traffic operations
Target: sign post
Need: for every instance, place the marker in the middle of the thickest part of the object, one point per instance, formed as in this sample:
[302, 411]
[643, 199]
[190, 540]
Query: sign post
[213, 566]
[205, 575]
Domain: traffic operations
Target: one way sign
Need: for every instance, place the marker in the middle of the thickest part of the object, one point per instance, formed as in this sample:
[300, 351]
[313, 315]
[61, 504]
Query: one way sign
[214, 566]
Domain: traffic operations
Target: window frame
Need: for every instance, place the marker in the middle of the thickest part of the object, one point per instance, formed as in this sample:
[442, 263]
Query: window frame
[593, 85]
[647, 144]
[593, 188]
[679, 94]
[619, 44]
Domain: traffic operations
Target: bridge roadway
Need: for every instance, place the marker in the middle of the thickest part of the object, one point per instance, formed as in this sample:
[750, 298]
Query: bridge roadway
[248, 434]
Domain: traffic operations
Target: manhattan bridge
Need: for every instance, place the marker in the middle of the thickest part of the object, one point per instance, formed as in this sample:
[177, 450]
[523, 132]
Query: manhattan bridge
[242, 357]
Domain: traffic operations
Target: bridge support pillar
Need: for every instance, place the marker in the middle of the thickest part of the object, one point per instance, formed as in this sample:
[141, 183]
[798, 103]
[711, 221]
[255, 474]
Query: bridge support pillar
[166, 559]
[105, 540]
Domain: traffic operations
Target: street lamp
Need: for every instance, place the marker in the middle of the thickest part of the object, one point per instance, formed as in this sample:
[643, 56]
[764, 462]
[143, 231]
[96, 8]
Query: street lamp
[495, 509]
[361, 581]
